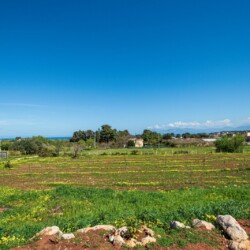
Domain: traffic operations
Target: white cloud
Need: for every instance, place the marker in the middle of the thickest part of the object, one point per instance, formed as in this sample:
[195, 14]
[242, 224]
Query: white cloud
[195, 124]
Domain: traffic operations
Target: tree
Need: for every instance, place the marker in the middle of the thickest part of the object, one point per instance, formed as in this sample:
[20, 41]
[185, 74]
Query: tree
[78, 135]
[123, 133]
[167, 136]
[77, 147]
[90, 134]
[28, 146]
[230, 144]
[107, 134]
[186, 135]
[151, 137]
[90, 143]
[5, 146]
[58, 146]
[131, 143]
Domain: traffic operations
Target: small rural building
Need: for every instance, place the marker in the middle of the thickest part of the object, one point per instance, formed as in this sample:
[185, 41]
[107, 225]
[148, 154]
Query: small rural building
[248, 136]
[139, 143]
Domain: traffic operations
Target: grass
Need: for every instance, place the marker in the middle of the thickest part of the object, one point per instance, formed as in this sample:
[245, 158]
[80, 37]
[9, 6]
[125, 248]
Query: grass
[30, 211]
[110, 189]
[151, 169]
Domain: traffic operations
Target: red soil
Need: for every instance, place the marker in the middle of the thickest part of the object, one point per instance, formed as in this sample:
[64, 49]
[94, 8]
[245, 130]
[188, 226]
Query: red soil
[98, 240]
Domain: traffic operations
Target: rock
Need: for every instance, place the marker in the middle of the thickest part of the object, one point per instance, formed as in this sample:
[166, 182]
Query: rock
[111, 238]
[68, 236]
[131, 243]
[148, 240]
[50, 231]
[122, 231]
[243, 245]
[118, 240]
[103, 227]
[148, 231]
[201, 223]
[232, 228]
[176, 224]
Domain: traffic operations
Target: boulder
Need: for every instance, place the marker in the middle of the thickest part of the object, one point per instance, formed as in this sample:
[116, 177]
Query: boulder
[122, 231]
[131, 243]
[243, 245]
[118, 240]
[50, 231]
[111, 238]
[201, 223]
[176, 224]
[148, 240]
[232, 228]
[148, 231]
[68, 236]
[102, 227]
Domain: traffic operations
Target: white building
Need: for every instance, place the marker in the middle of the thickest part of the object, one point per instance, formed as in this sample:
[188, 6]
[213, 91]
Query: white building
[139, 143]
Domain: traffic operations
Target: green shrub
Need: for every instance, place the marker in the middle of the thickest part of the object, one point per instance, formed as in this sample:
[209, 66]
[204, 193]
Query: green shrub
[181, 152]
[47, 152]
[8, 165]
[170, 144]
[130, 144]
[230, 144]
[134, 152]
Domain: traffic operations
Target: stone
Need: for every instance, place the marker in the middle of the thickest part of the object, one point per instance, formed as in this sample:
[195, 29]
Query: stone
[176, 224]
[118, 240]
[201, 223]
[50, 231]
[68, 236]
[98, 227]
[243, 245]
[232, 228]
[131, 243]
[122, 231]
[148, 231]
[148, 240]
[111, 238]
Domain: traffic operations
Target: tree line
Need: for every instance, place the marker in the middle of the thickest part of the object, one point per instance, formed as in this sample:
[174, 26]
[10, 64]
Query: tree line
[107, 136]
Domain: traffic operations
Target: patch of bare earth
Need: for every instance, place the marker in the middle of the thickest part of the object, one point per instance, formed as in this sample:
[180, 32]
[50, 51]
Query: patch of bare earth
[245, 224]
[98, 239]
[91, 240]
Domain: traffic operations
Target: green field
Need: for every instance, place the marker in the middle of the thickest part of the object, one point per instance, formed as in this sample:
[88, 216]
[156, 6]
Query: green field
[121, 187]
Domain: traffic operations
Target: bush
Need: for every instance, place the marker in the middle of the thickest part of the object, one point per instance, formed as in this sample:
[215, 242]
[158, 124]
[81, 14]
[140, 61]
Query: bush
[230, 144]
[27, 146]
[5, 146]
[8, 165]
[131, 143]
[134, 152]
[181, 152]
[47, 152]
[170, 144]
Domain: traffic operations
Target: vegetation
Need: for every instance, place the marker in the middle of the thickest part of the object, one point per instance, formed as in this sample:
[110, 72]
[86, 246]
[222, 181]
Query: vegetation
[70, 183]
[230, 144]
[75, 208]
[131, 143]
[144, 169]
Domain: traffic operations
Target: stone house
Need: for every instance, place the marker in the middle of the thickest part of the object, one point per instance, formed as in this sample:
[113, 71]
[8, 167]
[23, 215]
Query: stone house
[139, 143]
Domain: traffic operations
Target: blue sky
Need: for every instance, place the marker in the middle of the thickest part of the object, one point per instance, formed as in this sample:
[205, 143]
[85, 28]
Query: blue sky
[69, 65]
